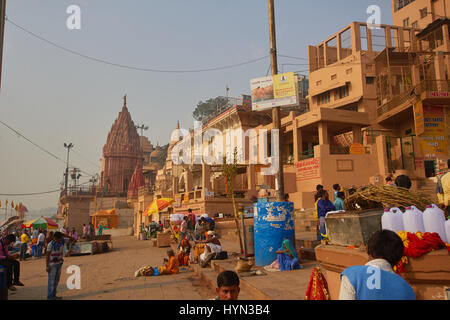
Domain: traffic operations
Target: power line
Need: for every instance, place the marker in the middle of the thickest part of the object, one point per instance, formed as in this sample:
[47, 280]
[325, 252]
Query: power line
[38, 146]
[28, 194]
[37, 193]
[128, 66]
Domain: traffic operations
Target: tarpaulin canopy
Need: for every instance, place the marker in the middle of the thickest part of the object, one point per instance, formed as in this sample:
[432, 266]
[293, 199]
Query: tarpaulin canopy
[41, 223]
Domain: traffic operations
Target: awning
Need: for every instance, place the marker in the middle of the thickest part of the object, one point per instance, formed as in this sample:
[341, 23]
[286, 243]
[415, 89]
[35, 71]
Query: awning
[331, 87]
[343, 102]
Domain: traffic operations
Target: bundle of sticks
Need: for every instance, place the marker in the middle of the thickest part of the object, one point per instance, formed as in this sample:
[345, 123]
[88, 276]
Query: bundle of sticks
[372, 197]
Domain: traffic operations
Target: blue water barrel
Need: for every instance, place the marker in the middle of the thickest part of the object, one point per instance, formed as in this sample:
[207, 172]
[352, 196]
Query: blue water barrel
[273, 223]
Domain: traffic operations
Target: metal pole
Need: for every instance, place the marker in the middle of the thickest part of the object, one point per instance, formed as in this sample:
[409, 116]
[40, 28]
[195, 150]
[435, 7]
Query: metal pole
[68, 146]
[2, 34]
[276, 118]
[243, 234]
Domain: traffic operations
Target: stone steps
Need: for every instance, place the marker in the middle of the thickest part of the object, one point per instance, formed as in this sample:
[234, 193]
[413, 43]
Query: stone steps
[208, 277]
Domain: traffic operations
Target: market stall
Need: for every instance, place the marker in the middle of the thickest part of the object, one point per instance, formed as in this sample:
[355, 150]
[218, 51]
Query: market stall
[107, 218]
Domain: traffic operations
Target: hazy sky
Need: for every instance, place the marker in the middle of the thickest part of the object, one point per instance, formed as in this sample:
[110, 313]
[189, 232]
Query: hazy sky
[53, 97]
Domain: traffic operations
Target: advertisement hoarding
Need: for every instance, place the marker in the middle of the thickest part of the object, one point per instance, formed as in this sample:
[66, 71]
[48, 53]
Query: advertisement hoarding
[274, 91]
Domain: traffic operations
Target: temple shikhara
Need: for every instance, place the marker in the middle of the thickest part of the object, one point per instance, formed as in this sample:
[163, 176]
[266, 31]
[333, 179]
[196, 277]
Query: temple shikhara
[121, 154]
[129, 162]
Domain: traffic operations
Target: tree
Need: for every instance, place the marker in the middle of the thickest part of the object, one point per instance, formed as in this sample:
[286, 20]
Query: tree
[229, 170]
[206, 108]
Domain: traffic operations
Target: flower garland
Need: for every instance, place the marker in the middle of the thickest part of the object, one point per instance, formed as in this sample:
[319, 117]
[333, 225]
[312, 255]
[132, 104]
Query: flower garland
[416, 245]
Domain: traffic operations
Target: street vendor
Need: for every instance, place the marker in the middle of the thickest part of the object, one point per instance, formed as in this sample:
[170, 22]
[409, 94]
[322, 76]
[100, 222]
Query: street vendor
[212, 247]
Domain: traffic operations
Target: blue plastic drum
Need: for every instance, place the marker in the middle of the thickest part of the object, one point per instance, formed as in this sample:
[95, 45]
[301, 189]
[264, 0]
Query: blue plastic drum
[273, 223]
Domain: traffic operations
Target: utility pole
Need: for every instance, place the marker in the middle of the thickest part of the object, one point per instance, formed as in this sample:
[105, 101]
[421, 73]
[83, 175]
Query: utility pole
[2, 34]
[68, 146]
[276, 119]
[142, 127]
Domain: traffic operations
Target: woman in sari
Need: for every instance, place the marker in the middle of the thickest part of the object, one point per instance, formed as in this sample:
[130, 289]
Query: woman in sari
[287, 258]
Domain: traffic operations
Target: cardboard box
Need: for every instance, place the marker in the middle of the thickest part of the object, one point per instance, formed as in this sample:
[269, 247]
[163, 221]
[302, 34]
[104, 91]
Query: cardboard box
[163, 240]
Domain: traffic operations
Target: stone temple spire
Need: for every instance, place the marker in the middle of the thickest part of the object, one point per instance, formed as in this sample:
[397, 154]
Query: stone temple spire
[121, 153]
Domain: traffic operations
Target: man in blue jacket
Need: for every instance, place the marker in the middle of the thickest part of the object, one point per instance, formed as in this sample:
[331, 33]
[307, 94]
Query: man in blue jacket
[376, 280]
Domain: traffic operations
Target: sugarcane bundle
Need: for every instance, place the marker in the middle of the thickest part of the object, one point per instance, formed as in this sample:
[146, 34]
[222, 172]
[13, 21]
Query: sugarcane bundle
[385, 196]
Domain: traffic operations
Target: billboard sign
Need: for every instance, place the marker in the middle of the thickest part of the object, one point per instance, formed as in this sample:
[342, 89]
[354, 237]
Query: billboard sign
[274, 91]
[434, 139]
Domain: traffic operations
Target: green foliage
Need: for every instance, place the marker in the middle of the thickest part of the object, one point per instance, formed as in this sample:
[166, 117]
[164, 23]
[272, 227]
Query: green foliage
[206, 108]
[229, 170]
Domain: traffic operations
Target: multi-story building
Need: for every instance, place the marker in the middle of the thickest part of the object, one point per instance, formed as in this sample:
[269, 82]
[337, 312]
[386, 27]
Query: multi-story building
[413, 102]
[418, 14]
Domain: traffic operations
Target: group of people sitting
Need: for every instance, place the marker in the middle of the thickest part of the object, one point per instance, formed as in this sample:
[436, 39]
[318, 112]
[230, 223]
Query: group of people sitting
[205, 248]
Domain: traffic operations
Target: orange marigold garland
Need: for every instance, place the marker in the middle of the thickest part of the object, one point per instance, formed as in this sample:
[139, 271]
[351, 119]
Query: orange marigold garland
[416, 245]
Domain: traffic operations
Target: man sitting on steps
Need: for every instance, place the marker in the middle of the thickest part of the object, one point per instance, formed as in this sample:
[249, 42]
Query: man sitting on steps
[212, 247]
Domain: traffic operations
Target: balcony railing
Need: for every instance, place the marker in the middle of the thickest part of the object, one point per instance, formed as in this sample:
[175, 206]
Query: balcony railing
[79, 191]
[413, 93]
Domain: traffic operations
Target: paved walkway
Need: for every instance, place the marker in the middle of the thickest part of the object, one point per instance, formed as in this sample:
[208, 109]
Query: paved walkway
[110, 275]
[280, 285]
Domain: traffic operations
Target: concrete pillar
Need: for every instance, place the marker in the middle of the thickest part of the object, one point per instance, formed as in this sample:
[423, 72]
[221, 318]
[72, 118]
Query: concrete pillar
[174, 185]
[383, 165]
[206, 177]
[439, 66]
[188, 180]
[369, 40]
[323, 133]
[298, 142]
[356, 38]
[388, 37]
[338, 40]
[251, 173]
[445, 32]
[357, 137]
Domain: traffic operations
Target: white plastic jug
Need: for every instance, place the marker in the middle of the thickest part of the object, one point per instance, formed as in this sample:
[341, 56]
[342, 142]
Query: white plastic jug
[434, 221]
[413, 220]
[447, 230]
[392, 220]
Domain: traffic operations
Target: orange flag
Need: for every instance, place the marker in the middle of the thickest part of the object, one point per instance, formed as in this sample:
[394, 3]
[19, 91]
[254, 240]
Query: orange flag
[12, 204]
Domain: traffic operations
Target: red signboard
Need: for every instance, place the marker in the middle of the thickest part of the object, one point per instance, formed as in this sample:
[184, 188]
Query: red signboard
[308, 169]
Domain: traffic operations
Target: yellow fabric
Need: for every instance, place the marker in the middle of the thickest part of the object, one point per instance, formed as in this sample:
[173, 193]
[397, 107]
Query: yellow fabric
[157, 205]
[316, 214]
[445, 197]
[24, 238]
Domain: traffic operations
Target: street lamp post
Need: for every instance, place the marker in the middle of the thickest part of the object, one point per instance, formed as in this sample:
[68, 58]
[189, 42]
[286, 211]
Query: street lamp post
[68, 146]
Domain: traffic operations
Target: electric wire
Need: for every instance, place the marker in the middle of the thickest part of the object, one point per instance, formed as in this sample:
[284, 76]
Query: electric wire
[39, 147]
[128, 66]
